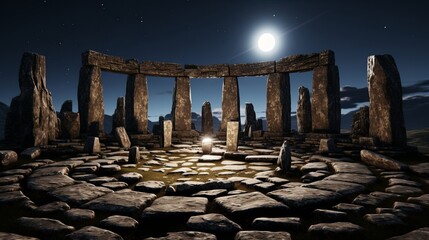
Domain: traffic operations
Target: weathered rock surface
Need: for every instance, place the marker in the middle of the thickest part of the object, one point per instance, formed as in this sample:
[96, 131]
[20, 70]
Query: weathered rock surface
[256, 235]
[337, 230]
[8, 157]
[230, 102]
[186, 235]
[124, 202]
[150, 186]
[343, 188]
[253, 204]
[181, 110]
[278, 103]
[79, 194]
[421, 169]
[381, 161]
[95, 233]
[43, 227]
[303, 111]
[173, 207]
[214, 223]
[136, 104]
[360, 123]
[77, 215]
[232, 135]
[118, 223]
[421, 233]
[70, 125]
[92, 145]
[385, 101]
[32, 119]
[48, 183]
[277, 224]
[302, 198]
[12, 236]
[90, 101]
[122, 137]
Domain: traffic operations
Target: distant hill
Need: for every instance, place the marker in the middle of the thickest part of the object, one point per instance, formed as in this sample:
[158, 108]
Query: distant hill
[197, 121]
[108, 124]
[3, 113]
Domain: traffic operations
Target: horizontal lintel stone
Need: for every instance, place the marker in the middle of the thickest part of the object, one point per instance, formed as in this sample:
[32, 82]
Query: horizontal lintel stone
[305, 62]
[162, 69]
[110, 63]
[207, 71]
[252, 69]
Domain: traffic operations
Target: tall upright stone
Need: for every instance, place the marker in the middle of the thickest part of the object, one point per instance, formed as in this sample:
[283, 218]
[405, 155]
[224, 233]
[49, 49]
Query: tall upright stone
[325, 100]
[230, 102]
[167, 133]
[32, 119]
[181, 109]
[136, 104]
[386, 116]
[207, 119]
[360, 123]
[278, 104]
[232, 134]
[119, 115]
[303, 112]
[250, 122]
[90, 101]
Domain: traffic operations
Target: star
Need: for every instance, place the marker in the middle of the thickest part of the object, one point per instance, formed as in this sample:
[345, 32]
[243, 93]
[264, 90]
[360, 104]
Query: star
[385, 27]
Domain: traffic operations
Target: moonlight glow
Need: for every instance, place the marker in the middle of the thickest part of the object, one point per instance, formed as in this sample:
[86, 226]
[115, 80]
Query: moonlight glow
[266, 42]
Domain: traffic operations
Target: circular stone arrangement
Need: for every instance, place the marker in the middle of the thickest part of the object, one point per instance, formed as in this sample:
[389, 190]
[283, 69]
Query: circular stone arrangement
[179, 193]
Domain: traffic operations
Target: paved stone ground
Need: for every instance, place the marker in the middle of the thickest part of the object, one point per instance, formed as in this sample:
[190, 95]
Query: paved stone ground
[180, 193]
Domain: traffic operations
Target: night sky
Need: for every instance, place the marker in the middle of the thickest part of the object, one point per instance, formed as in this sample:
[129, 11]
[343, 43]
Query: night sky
[208, 32]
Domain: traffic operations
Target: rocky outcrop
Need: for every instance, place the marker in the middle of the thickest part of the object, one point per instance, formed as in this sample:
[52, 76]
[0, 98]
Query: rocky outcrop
[32, 120]
[385, 101]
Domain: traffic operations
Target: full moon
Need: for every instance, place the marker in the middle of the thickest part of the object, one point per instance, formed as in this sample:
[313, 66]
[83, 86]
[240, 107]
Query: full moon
[266, 42]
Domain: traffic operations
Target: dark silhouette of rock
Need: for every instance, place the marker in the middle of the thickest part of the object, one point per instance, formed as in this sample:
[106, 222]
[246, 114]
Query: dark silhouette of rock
[385, 101]
[119, 115]
[136, 104]
[250, 122]
[207, 119]
[278, 103]
[70, 124]
[32, 120]
[360, 124]
[3, 112]
[303, 112]
[67, 106]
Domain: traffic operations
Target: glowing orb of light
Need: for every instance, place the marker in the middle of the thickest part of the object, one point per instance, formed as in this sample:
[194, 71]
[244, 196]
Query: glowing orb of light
[266, 42]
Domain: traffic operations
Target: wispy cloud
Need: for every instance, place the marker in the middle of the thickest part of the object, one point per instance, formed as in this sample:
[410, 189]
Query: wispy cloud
[167, 92]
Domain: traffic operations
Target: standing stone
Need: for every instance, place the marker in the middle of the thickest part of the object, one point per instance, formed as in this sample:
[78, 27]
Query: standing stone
[360, 123]
[230, 102]
[67, 106]
[385, 101]
[232, 131]
[167, 133]
[259, 125]
[327, 145]
[119, 115]
[303, 112]
[325, 100]
[207, 119]
[70, 125]
[134, 155]
[278, 104]
[90, 101]
[284, 161]
[92, 145]
[136, 104]
[32, 119]
[181, 110]
[122, 137]
[250, 123]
